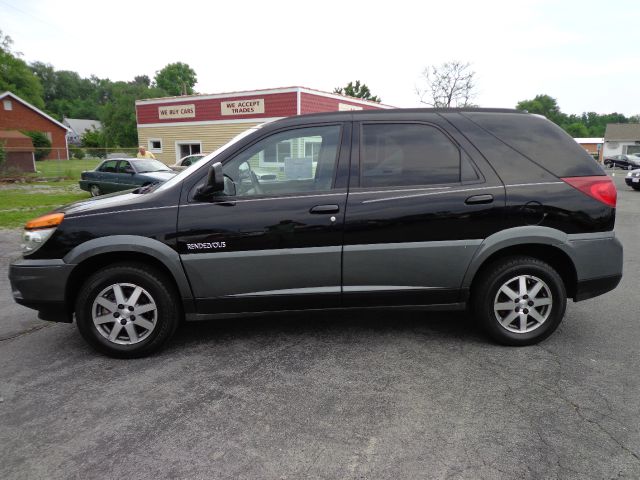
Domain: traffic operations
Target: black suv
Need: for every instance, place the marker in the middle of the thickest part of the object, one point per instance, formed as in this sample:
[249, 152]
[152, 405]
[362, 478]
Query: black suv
[493, 209]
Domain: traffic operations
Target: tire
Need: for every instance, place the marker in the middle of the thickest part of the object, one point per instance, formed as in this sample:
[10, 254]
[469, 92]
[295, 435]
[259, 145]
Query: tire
[135, 330]
[635, 187]
[94, 190]
[500, 286]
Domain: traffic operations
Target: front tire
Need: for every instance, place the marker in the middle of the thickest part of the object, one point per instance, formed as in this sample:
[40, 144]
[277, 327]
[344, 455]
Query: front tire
[519, 300]
[95, 190]
[127, 310]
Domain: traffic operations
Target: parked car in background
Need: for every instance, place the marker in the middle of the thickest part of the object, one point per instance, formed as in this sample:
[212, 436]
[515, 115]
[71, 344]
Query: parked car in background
[116, 174]
[187, 161]
[623, 161]
[633, 179]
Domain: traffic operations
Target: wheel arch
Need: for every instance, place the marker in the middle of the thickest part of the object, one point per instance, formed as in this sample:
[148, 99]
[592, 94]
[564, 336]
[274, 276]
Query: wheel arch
[543, 243]
[98, 253]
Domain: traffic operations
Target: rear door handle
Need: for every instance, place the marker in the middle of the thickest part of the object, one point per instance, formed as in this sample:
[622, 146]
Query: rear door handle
[325, 209]
[476, 199]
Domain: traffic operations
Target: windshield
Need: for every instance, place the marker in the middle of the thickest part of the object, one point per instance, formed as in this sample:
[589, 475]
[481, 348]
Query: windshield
[200, 164]
[143, 166]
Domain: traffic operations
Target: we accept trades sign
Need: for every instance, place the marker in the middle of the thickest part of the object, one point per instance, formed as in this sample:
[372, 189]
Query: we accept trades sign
[242, 107]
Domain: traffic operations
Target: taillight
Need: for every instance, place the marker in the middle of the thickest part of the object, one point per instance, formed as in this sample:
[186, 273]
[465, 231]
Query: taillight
[599, 187]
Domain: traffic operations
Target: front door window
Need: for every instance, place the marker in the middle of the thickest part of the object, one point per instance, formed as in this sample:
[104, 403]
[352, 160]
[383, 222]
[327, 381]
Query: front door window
[297, 161]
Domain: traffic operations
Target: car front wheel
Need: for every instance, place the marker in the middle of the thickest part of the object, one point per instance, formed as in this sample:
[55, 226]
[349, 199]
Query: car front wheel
[127, 310]
[95, 190]
[519, 300]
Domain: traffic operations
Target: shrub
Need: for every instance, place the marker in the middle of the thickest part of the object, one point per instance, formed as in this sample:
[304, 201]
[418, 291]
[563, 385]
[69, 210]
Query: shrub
[77, 152]
[3, 155]
[41, 143]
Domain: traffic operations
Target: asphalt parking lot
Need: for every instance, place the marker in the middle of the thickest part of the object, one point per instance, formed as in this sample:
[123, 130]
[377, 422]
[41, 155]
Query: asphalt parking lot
[336, 396]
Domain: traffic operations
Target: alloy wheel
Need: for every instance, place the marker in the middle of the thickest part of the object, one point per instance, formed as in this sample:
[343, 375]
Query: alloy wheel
[523, 304]
[124, 313]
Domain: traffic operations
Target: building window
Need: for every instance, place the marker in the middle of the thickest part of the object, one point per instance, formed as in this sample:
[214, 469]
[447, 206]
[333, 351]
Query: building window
[7, 105]
[155, 145]
[187, 148]
[312, 148]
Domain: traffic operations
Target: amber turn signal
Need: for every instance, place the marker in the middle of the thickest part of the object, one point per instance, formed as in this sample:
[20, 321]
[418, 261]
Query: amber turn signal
[45, 221]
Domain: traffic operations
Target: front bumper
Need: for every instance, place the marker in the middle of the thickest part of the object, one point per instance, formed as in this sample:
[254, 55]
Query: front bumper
[630, 181]
[41, 285]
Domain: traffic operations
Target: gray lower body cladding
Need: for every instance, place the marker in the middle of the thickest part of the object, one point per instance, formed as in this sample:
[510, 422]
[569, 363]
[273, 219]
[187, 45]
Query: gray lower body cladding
[41, 285]
[598, 262]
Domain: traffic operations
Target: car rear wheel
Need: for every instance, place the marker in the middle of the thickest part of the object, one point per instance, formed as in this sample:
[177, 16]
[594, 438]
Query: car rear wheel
[95, 190]
[127, 310]
[635, 187]
[519, 300]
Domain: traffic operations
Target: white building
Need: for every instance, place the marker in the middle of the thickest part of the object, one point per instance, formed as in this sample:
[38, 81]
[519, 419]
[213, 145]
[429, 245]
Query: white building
[622, 139]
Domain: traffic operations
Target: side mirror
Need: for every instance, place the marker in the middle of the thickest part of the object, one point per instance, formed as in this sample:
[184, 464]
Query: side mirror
[215, 181]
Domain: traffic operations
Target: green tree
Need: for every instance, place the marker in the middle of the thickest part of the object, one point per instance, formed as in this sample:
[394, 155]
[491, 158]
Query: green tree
[357, 90]
[94, 142]
[176, 79]
[41, 143]
[577, 130]
[119, 112]
[543, 105]
[15, 75]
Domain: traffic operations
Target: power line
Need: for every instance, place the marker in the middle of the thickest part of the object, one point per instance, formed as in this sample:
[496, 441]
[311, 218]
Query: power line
[28, 14]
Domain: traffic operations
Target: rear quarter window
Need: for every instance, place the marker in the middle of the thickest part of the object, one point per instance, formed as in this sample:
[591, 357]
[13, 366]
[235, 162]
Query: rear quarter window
[541, 141]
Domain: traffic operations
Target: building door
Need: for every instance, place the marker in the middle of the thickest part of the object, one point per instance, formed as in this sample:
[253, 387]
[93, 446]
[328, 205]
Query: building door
[270, 244]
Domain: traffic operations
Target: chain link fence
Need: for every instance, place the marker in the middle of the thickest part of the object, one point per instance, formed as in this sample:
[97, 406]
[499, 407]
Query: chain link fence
[19, 162]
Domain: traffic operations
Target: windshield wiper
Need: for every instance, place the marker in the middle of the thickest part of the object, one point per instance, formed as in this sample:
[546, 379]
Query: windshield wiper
[146, 188]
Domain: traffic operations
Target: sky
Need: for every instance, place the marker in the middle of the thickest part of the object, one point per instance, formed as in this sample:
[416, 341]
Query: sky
[583, 53]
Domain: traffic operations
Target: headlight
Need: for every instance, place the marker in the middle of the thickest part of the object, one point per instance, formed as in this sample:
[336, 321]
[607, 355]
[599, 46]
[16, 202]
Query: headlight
[34, 239]
[39, 230]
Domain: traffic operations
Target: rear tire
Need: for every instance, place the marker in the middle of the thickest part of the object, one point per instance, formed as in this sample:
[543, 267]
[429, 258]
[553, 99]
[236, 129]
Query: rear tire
[635, 187]
[127, 310]
[519, 300]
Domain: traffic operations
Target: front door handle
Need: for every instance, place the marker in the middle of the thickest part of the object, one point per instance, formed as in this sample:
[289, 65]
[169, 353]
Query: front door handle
[325, 209]
[478, 199]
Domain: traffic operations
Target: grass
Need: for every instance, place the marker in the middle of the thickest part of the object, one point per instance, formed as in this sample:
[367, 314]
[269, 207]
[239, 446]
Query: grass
[55, 184]
[69, 169]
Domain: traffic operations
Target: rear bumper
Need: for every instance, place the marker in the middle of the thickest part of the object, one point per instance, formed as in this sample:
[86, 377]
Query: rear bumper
[586, 289]
[598, 262]
[41, 285]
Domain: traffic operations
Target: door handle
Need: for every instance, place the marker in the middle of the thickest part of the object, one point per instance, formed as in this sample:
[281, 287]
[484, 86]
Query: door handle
[325, 209]
[478, 199]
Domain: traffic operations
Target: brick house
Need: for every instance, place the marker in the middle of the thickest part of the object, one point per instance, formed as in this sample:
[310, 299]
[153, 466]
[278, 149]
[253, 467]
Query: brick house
[593, 146]
[16, 114]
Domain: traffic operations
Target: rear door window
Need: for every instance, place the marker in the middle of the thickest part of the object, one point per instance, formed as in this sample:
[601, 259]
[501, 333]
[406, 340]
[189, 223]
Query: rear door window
[405, 154]
[125, 167]
[109, 166]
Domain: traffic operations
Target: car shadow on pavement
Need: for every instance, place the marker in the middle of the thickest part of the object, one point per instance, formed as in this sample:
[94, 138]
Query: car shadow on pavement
[367, 324]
